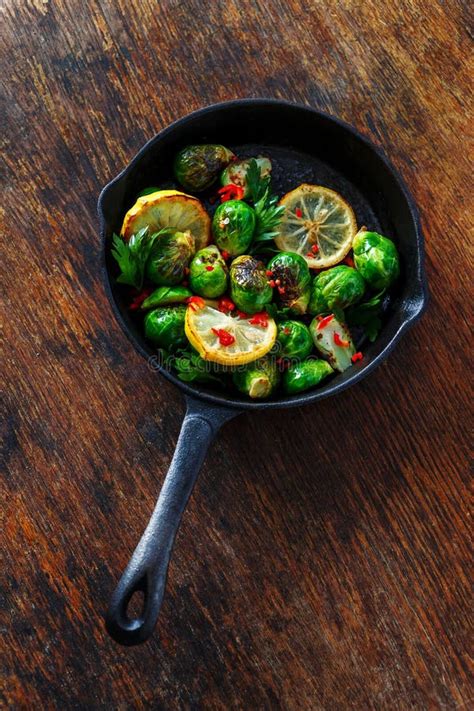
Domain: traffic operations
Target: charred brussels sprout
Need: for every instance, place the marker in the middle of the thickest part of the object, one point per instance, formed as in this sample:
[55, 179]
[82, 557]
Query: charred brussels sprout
[236, 172]
[376, 258]
[257, 380]
[333, 340]
[233, 226]
[208, 273]
[169, 258]
[249, 288]
[305, 375]
[165, 295]
[338, 287]
[197, 167]
[165, 327]
[293, 340]
[291, 275]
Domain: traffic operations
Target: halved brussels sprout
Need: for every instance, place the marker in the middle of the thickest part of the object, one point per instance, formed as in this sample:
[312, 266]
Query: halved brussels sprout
[376, 258]
[291, 275]
[302, 376]
[337, 287]
[258, 379]
[333, 340]
[236, 172]
[233, 226]
[165, 295]
[197, 167]
[293, 340]
[208, 273]
[165, 327]
[249, 288]
[169, 258]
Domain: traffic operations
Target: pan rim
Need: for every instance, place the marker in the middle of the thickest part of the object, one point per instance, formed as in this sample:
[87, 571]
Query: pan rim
[309, 397]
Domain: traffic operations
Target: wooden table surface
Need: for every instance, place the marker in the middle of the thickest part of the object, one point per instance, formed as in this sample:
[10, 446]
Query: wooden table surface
[323, 560]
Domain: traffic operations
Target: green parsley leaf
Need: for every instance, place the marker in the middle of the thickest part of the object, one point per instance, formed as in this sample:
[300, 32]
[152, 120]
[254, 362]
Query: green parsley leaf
[367, 315]
[132, 256]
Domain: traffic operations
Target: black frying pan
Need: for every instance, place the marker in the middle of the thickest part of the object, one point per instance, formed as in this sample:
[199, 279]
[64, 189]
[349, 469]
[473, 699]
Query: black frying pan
[305, 146]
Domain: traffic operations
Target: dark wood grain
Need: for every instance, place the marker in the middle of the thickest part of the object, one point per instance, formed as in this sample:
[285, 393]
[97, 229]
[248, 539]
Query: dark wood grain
[323, 561]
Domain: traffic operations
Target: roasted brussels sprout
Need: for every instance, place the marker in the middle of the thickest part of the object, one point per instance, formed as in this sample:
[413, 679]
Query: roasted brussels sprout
[333, 340]
[233, 225]
[236, 172]
[165, 295]
[305, 375]
[258, 379]
[291, 275]
[165, 327]
[376, 258]
[208, 273]
[169, 258]
[197, 167]
[337, 287]
[249, 288]
[293, 340]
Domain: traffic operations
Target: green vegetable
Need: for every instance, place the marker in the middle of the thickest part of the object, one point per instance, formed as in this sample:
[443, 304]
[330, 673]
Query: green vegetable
[249, 288]
[337, 287]
[233, 225]
[147, 191]
[169, 257]
[208, 273]
[236, 172]
[302, 376]
[294, 288]
[132, 256]
[166, 295]
[258, 379]
[367, 315]
[197, 167]
[191, 368]
[268, 213]
[293, 340]
[326, 337]
[165, 326]
[376, 258]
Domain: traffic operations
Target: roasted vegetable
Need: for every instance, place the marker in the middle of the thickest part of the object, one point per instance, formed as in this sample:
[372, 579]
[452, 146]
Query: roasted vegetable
[249, 288]
[258, 379]
[233, 225]
[197, 167]
[293, 340]
[291, 276]
[236, 172]
[169, 258]
[333, 340]
[376, 258]
[337, 287]
[165, 327]
[208, 273]
[165, 295]
[302, 376]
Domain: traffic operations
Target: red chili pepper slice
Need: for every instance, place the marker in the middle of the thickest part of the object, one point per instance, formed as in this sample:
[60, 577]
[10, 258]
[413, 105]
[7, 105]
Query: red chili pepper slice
[225, 338]
[269, 273]
[139, 299]
[209, 268]
[357, 356]
[231, 192]
[225, 305]
[260, 319]
[225, 254]
[341, 341]
[299, 212]
[349, 261]
[315, 248]
[324, 321]
[195, 302]
[242, 314]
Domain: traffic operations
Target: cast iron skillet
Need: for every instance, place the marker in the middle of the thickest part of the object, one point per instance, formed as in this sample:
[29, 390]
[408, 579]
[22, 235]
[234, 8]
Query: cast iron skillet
[305, 146]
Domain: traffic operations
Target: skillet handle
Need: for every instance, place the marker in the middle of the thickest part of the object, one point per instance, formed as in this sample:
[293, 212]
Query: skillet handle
[148, 567]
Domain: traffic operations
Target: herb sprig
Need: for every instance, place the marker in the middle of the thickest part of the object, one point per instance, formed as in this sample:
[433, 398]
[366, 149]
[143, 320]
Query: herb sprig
[132, 256]
[367, 315]
[267, 212]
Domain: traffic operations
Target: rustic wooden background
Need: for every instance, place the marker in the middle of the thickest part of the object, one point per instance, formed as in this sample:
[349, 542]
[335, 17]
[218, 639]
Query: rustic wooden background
[323, 560]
